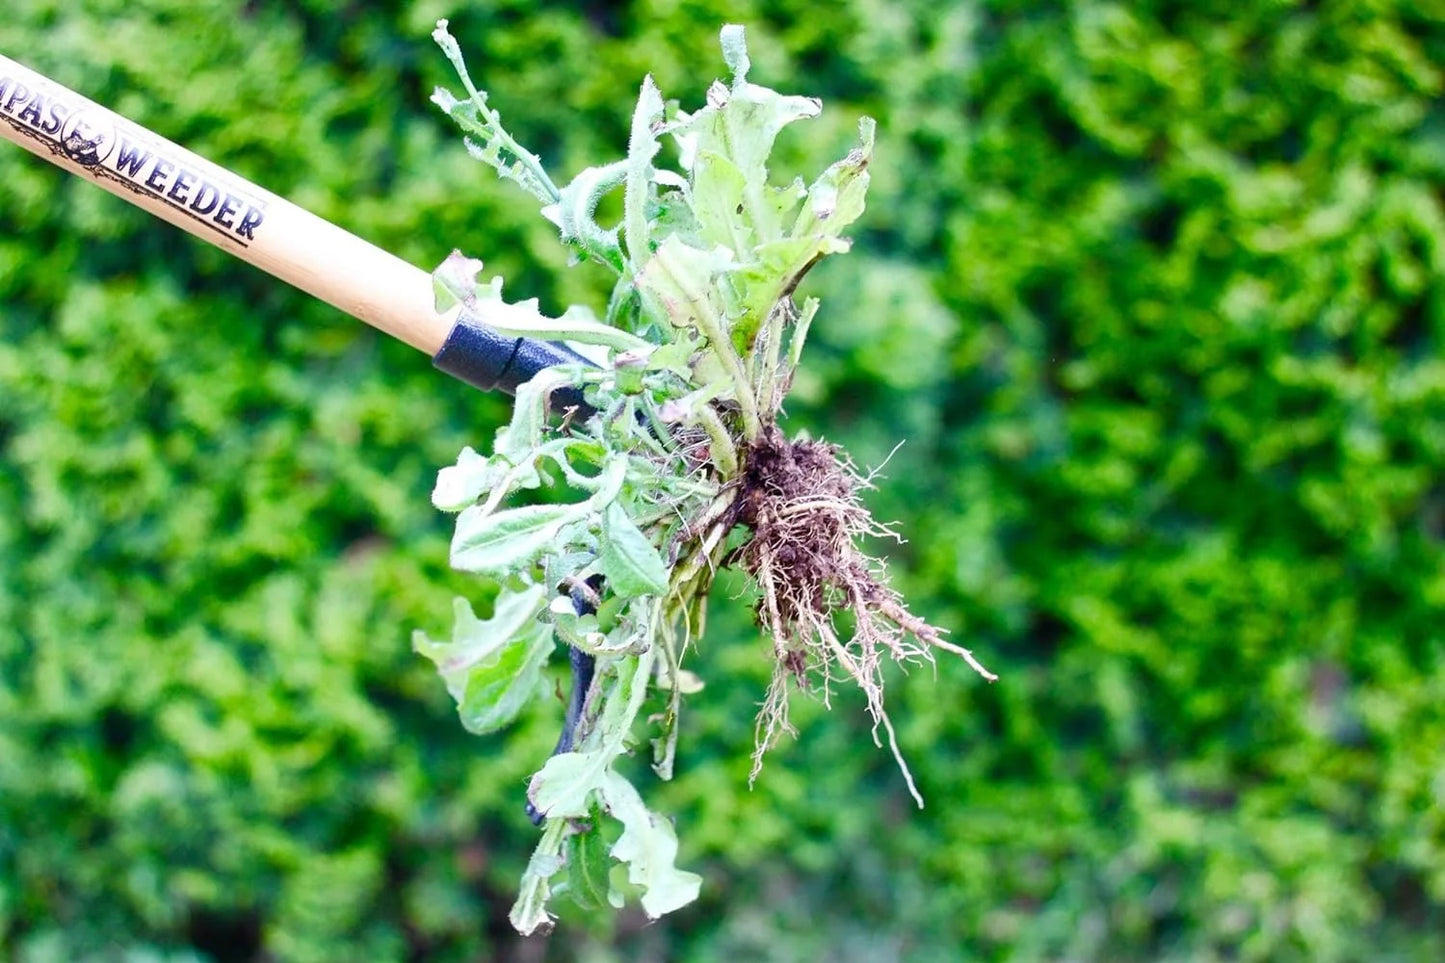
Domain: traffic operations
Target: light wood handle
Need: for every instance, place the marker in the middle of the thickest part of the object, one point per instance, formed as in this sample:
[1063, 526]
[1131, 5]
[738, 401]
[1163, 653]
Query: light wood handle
[217, 206]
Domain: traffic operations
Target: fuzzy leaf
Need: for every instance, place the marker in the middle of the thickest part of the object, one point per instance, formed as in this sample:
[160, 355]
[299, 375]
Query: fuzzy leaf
[630, 562]
[455, 282]
[529, 415]
[642, 147]
[741, 122]
[575, 212]
[577, 324]
[506, 541]
[496, 148]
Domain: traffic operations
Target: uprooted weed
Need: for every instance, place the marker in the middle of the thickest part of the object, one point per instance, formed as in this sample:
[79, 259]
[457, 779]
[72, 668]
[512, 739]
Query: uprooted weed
[801, 501]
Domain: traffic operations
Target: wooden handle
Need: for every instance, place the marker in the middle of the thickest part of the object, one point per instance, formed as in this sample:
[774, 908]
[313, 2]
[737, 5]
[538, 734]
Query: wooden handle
[217, 206]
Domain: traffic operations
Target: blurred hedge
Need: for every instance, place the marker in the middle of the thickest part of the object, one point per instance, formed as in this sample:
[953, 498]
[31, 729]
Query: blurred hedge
[1155, 293]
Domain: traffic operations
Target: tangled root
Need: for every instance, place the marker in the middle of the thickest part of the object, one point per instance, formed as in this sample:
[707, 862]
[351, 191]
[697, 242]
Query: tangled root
[802, 503]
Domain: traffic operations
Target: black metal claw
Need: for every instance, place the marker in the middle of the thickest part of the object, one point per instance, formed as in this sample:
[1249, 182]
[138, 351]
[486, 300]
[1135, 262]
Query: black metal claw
[584, 602]
[492, 361]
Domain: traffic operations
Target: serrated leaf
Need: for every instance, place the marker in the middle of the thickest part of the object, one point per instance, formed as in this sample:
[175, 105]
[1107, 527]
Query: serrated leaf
[505, 541]
[648, 846]
[630, 562]
[476, 119]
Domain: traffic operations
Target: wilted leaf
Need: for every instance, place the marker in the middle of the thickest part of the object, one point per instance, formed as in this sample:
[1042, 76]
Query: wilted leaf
[649, 847]
[836, 199]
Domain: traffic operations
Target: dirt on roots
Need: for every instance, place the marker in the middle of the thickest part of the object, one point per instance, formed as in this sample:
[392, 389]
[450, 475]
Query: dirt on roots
[801, 500]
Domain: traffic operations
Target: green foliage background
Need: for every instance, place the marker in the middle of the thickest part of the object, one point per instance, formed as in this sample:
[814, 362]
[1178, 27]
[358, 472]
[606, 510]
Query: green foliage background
[1153, 290]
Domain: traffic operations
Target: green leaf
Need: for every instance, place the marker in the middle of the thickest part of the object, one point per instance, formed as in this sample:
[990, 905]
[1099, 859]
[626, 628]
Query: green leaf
[649, 847]
[564, 784]
[679, 282]
[461, 484]
[499, 689]
[741, 123]
[836, 199]
[518, 440]
[776, 270]
[576, 324]
[626, 637]
[455, 281]
[630, 562]
[494, 146]
[587, 865]
[529, 913]
[493, 667]
[579, 631]
[800, 331]
[719, 201]
[506, 541]
[676, 356]
[575, 212]
[642, 147]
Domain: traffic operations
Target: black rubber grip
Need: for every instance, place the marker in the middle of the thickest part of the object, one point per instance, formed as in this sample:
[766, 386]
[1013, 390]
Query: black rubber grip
[484, 358]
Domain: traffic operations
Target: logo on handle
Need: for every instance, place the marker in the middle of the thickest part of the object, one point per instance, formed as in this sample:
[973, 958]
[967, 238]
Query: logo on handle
[129, 156]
